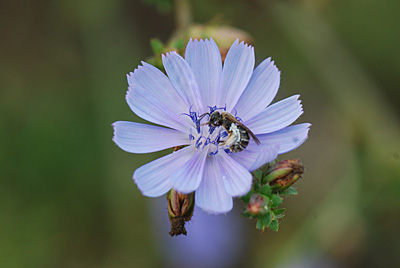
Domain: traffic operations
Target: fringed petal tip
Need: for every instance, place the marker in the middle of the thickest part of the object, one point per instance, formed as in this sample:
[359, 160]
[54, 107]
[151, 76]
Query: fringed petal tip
[200, 40]
[242, 43]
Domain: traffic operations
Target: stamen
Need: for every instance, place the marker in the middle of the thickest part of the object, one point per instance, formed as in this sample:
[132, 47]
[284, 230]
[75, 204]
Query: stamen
[211, 130]
[235, 111]
[223, 134]
[191, 137]
[198, 126]
[216, 142]
[208, 141]
[227, 151]
[238, 118]
[194, 117]
[214, 153]
[224, 108]
[212, 109]
[198, 144]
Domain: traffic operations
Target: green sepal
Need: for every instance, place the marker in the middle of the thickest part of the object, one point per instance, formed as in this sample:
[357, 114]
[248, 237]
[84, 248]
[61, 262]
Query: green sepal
[276, 201]
[279, 212]
[258, 174]
[265, 190]
[178, 44]
[260, 225]
[246, 215]
[157, 46]
[289, 191]
[266, 219]
[246, 198]
[256, 186]
[274, 225]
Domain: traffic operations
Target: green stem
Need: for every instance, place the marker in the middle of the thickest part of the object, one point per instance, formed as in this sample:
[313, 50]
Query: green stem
[183, 16]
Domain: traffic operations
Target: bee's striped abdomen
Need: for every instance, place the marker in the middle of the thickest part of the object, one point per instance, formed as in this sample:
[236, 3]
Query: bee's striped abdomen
[243, 141]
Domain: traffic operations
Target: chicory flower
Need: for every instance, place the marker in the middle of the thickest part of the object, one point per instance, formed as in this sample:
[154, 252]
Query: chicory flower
[181, 102]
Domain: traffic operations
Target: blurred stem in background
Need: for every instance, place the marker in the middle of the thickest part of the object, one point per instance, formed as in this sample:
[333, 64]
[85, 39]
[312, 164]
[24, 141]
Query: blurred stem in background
[183, 17]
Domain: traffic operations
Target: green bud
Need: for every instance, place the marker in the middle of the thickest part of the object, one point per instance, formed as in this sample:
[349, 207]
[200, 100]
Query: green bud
[283, 174]
[180, 210]
[258, 205]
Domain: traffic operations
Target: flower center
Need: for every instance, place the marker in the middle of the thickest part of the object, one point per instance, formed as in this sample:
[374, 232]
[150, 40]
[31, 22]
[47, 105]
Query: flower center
[204, 135]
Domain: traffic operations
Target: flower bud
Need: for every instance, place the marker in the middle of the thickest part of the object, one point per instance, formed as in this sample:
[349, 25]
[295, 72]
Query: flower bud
[257, 205]
[283, 174]
[180, 210]
[224, 36]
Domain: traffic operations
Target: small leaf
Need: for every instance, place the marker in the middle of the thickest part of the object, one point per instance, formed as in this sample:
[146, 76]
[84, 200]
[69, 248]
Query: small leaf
[274, 225]
[157, 46]
[246, 198]
[258, 174]
[178, 44]
[278, 212]
[276, 200]
[289, 191]
[260, 225]
[265, 190]
[266, 219]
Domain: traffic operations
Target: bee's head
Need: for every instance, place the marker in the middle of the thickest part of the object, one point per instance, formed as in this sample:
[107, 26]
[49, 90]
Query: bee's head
[215, 119]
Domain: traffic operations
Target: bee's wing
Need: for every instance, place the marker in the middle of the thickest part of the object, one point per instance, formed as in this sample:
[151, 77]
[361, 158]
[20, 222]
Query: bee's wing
[233, 119]
[257, 141]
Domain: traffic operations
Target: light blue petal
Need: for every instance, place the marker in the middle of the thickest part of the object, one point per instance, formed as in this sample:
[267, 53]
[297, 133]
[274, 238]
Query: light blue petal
[153, 97]
[254, 158]
[141, 138]
[153, 179]
[183, 79]
[237, 179]
[204, 58]
[260, 91]
[288, 138]
[236, 73]
[150, 107]
[211, 195]
[188, 177]
[152, 80]
[276, 116]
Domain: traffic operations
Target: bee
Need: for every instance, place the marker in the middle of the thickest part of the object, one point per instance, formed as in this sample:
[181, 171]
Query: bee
[238, 134]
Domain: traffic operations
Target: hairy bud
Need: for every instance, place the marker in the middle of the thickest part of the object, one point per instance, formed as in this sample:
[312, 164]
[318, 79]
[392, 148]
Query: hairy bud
[258, 205]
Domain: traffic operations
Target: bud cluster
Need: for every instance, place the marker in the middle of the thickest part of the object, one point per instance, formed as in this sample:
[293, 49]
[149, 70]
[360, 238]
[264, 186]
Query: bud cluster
[270, 183]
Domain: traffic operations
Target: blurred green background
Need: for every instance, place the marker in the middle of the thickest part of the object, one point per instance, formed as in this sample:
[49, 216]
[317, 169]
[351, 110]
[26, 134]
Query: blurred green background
[66, 194]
